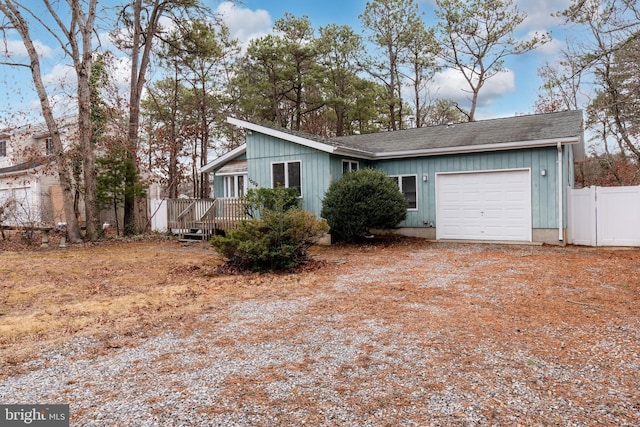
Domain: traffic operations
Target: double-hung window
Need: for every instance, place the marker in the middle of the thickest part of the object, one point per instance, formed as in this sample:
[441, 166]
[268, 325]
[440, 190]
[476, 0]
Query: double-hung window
[408, 185]
[349, 166]
[3, 148]
[287, 174]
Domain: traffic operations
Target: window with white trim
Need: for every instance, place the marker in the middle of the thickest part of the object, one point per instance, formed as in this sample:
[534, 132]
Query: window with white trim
[3, 148]
[349, 166]
[235, 185]
[408, 185]
[287, 174]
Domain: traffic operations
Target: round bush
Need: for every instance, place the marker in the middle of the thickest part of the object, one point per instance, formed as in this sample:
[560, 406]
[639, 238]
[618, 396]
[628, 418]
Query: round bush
[361, 200]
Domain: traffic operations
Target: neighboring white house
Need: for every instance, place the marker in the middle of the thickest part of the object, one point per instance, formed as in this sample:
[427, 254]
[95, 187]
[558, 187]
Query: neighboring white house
[30, 191]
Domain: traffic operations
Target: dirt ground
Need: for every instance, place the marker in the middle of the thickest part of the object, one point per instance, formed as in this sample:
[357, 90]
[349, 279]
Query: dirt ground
[563, 318]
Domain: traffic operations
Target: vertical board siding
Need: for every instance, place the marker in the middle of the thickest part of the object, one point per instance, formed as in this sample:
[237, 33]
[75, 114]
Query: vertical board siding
[263, 150]
[218, 182]
[319, 169]
[544, 198]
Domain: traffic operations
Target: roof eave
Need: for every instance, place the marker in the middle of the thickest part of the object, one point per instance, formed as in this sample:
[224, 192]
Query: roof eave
[281, 135]
[16, 173]
[476, 148]
[224, 158]
[353, 152]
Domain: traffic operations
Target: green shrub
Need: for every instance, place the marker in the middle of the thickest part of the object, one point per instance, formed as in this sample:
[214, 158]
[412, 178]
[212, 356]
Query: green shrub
[278, 240]
[361, 200]
[259, 199]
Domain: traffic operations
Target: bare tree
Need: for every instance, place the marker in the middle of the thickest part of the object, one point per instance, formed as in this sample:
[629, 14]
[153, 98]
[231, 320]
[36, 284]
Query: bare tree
[609, 55]
[562, 85]
[75, 40]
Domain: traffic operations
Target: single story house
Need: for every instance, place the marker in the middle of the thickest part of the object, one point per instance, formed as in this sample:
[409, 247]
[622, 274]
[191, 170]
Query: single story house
[503, 179]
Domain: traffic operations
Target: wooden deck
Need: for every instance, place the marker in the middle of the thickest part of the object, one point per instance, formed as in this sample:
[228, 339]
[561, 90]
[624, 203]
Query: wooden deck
[199, 219]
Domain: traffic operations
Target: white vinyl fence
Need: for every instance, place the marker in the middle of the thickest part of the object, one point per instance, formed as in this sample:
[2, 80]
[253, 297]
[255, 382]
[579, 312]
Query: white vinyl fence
[159, 219]
[604, 216]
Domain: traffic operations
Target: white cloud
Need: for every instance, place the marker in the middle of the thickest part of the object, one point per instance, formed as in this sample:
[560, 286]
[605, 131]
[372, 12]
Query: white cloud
[552, 48]
[14, 48]
[245, 24]
[452, 85]
[539, 12]
[62, 75]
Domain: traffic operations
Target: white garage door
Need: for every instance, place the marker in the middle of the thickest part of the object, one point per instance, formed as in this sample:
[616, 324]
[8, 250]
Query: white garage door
[492, 205]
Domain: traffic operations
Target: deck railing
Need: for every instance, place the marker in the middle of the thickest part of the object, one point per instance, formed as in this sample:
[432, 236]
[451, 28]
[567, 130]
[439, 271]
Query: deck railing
[204, 215]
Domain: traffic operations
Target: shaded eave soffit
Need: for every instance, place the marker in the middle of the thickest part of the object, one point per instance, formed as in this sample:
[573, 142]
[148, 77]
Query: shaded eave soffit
[224, 158]
[347, 151]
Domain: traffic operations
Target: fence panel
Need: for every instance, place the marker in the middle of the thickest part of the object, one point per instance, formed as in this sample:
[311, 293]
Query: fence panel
[159, 218]
[618, 216]
[604, 216]
[582, 216]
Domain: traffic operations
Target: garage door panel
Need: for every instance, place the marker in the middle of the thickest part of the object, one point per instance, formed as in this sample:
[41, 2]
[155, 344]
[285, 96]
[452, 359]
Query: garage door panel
[492, 205]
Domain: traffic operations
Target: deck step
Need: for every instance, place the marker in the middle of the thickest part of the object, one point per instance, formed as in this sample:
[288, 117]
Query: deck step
[195, 236]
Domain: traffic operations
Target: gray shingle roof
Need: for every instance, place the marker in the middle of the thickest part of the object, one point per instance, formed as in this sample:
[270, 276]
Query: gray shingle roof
[538, 127]
[494, 134]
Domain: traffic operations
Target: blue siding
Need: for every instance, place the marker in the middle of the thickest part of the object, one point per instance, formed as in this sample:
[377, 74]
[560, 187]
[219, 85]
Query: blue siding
[264, 150]
[319, 169]
[218, 182]
[544, 196]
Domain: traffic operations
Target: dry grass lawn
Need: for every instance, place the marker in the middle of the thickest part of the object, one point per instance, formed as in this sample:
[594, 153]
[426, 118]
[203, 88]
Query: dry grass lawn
[555, 308]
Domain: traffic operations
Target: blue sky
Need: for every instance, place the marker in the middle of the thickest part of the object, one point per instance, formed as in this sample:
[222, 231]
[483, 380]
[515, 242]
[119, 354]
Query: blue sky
[512, 92]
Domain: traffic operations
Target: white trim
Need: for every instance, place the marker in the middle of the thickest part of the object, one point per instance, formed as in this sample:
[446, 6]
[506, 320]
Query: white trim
[224, 158]
[350, 162]
[286, 174]
[235, 180]
[560, 187]
[475, 148]
[230, 173]
[529, 193]
[483, 170]
[352, 152]
[400, 176]
[282, 135]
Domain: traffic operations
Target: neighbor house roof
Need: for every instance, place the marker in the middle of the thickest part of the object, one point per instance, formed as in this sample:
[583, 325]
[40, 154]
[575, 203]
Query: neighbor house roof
[530, 131]
[25, 167]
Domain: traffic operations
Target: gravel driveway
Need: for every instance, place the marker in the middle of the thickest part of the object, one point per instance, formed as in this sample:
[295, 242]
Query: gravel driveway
[407, 333]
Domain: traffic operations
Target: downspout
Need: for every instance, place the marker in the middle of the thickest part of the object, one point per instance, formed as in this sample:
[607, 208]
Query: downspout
[560, 188]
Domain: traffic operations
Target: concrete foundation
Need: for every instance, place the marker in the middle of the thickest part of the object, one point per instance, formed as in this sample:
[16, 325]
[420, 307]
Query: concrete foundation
[548, 236]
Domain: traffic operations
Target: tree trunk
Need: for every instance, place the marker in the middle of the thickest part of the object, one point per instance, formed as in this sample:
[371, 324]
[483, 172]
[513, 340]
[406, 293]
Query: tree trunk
[140, 56]
[64, 173]
[83, 70]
